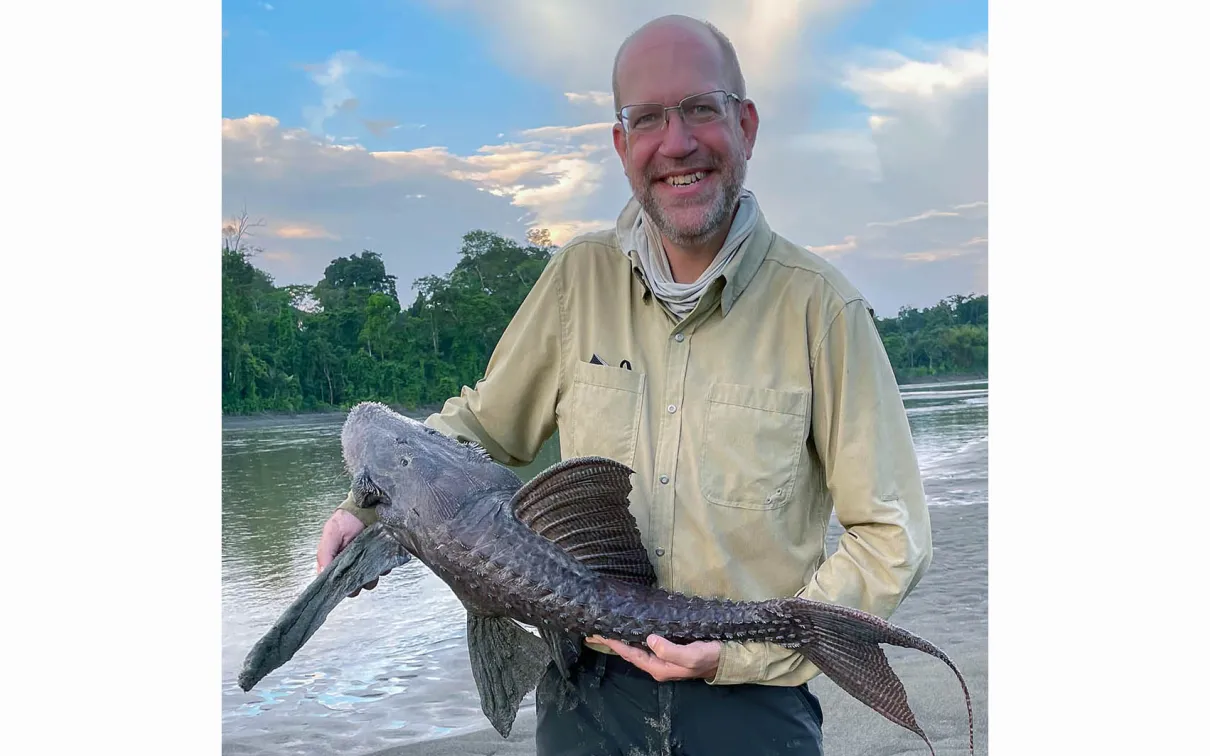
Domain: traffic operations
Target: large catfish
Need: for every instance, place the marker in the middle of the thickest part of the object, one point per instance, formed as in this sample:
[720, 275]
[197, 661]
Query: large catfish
[562, 554]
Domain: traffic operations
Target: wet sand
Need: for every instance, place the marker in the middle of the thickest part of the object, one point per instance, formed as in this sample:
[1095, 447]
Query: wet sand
[949, 608]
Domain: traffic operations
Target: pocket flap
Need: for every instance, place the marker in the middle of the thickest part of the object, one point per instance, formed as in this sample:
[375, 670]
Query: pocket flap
[755, 397]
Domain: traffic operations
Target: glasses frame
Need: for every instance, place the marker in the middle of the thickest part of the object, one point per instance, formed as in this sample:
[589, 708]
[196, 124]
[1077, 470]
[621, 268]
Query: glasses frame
[679, 107]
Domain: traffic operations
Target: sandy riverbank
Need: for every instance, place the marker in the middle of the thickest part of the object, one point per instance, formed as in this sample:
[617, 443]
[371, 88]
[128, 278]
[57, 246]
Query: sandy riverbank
[949, 608]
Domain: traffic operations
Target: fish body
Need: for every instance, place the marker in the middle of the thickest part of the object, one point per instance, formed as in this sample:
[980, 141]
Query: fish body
[563, 554]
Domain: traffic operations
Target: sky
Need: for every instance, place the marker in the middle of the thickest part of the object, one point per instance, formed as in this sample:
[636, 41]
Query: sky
[397, 127]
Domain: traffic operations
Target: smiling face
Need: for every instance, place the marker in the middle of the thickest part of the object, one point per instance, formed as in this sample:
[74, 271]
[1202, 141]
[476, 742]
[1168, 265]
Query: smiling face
[687, 178]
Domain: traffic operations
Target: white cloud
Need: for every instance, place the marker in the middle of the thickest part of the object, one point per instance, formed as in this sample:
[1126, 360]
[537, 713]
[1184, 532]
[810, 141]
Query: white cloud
[567, 132]
[600, 99]
[334, 79]
[572, 44]
[832, 251]
[915, 218]
[898, 78]
[288, 230]
[323, 200]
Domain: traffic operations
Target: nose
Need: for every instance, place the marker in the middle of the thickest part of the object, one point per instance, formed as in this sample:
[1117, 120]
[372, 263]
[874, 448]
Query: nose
[678, 140]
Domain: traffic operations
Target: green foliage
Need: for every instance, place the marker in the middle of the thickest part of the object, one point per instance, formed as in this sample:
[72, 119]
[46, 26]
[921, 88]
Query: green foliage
[949, 338]
[348, 338]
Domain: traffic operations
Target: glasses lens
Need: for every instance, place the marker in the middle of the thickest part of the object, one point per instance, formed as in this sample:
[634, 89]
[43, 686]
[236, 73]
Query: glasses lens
[643, 117]
[704, 108]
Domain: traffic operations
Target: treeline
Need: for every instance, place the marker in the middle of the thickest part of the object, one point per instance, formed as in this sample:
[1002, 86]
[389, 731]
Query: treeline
[949, 338]
[349, 338]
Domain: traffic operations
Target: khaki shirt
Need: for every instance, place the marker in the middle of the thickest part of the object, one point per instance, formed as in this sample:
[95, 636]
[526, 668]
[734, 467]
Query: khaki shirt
[746, 423]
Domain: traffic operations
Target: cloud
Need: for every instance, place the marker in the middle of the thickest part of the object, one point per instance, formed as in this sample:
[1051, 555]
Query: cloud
[325, 200]
[915, 218]
[552, 42]
[600, 99]
[567, 132]
[896, 79]
[334, 77]
[835, 250]
[905, 188]
[302, 231]
[556, 176]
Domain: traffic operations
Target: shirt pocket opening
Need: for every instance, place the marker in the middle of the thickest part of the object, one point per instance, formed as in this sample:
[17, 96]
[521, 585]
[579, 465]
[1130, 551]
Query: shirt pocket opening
[752, 445]
[604, 405]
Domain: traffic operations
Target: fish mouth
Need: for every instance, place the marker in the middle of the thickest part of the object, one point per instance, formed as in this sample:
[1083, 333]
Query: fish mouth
[374, 551]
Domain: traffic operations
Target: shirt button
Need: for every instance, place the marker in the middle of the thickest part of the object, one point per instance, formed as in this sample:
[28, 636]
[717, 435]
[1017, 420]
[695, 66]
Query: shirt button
[659, 552]
[672, 408]
[664, 479]
[679, 337]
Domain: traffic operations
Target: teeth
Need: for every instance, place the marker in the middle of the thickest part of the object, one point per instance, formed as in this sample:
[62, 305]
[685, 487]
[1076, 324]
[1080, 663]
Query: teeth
[689, 178]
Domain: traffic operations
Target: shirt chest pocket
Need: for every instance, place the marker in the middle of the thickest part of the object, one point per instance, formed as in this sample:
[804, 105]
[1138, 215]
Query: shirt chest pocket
[602, 411]
[752, 445]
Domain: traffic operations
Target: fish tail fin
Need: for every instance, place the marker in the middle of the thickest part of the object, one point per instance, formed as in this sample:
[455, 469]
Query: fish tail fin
[844, 644]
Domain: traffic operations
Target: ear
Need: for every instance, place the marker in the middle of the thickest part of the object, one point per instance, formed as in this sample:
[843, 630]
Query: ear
[749, 122]
[619, 144]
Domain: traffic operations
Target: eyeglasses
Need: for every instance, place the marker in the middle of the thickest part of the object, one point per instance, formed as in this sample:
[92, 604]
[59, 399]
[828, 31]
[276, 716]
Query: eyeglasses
[696, 110]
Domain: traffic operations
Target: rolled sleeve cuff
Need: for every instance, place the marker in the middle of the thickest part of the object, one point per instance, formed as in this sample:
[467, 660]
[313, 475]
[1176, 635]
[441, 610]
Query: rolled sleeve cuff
[367, 515]
[761, 663]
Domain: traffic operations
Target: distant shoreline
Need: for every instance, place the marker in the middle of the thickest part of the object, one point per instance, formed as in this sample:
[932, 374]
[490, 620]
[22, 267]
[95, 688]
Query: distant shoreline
[424, 410]
[954, 378]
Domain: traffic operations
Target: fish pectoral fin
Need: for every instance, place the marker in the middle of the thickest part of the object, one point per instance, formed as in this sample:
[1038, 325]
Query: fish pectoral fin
[565, 648]
[582, 506]
[373, 552]
[507, 662]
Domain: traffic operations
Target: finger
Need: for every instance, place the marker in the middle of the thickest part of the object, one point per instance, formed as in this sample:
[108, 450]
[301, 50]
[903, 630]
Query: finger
[329, 544]
[371, 585]
[682, 656]
[651, 664]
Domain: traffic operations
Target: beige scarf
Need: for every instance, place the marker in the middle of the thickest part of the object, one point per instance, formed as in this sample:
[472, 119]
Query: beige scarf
[681, 298]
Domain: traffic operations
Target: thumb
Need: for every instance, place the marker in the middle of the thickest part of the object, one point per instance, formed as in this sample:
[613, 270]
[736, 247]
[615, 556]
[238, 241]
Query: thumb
[671, 652]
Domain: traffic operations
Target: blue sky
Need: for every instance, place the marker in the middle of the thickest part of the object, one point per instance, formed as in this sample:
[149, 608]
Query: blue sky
[398, 126]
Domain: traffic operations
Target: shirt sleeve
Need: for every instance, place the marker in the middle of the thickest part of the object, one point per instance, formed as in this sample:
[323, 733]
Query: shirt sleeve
[861, 433]
[511, 411]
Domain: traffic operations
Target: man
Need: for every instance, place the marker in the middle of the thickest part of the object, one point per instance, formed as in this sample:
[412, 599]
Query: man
[744, 381]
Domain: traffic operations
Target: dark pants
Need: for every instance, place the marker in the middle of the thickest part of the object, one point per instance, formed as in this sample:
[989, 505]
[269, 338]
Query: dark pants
[611, 707]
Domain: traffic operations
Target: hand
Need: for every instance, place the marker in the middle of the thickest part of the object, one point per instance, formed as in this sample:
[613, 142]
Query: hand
[339, 531]
[668, 660]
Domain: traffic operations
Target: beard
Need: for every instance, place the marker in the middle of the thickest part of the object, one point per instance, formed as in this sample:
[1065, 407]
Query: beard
[708, 219]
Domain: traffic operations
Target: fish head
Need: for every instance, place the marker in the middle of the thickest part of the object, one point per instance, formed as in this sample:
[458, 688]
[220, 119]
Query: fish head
[399, 465]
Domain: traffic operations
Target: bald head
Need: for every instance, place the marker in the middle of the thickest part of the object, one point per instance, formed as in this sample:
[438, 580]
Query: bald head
[683, 31]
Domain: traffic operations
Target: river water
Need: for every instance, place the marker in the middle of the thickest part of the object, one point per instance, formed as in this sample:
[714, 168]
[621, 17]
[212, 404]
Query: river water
[389, 667]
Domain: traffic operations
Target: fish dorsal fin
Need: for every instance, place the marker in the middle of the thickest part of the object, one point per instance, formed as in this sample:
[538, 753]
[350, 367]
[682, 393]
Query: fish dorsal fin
[581, 506]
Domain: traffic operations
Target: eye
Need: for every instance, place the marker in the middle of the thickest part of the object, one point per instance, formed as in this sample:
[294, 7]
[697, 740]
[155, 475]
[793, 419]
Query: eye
[404, 461]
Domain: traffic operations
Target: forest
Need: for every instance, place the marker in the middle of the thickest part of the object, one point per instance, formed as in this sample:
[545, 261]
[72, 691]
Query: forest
[349, 338]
